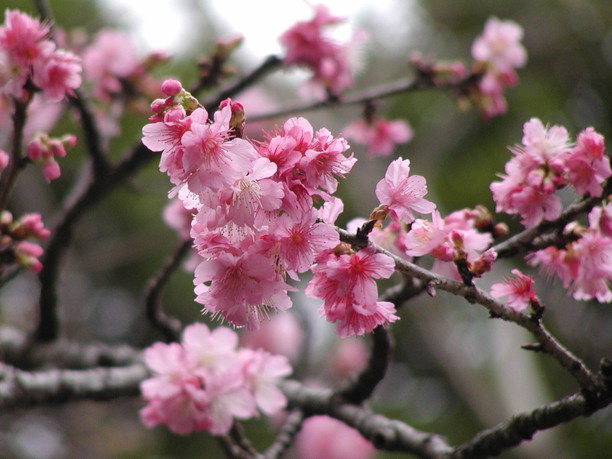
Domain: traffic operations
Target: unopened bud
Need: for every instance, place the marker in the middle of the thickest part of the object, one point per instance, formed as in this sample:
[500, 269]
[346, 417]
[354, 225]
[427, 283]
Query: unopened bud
[171, 87]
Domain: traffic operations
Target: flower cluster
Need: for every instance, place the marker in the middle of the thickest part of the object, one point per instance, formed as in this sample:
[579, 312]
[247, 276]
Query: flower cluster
[457, 238]
[545, 162]
[344, 280]
[44, 149]
[254, 205]
[498, 52]
[205, 381]
[584, 264]
[27, 55]
[14, 245]
[307, 45]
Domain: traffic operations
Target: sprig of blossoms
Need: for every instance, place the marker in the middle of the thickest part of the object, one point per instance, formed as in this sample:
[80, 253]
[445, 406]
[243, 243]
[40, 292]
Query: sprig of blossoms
[256, 219]
[205, 381]
[308, 45]
[545, 162]
[26, 54]
[497, 52]
[584, 264]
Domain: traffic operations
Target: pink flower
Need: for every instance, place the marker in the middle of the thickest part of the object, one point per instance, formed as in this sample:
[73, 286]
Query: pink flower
[325, 437]
[22, 37]
[243, 288]
[587, 165]
[177, 217]
[380, 136]
[58, 75]
[533, 175]
[109, 59]
[347, 287]
[308, 46]
[518, 289]
[594, 253]
[498, 51]
[211, 158]
[424, 236]
[402, 194]
[301, 239]
[263, 372]
[500, 45]
[210, 353]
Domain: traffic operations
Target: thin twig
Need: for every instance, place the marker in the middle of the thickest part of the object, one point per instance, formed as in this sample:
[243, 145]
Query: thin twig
[268, 65]
[364, 95]
[168, 326]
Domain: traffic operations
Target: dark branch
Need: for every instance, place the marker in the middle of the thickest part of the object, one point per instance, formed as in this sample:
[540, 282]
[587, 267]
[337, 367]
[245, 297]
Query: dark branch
[522, 427]
[363, 385]
[168, 326]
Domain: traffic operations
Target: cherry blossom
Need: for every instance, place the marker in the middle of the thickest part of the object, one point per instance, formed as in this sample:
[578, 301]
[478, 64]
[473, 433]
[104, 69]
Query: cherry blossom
[402, 194]
[518, 289]
[380, 136]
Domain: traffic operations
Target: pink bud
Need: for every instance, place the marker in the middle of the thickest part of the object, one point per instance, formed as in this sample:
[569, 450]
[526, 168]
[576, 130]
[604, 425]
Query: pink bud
[51, 170]
[35, 149]
[171, 87]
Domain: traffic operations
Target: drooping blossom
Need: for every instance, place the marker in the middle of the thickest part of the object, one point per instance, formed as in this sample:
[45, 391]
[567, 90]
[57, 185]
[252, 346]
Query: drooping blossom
[498, 52]
[401, 193]
[584, 265]
[204, 382]
[535, 172]
[308, 45]
[587, 165]
[380, 136]
[517, 288]
[346, 284]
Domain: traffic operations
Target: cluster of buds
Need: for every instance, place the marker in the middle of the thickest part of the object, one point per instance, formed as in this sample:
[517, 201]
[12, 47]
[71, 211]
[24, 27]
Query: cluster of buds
[178, 103]
[44, 149]
[14, 246]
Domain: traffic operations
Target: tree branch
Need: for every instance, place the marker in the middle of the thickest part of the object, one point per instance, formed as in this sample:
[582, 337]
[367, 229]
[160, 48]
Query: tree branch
[522, 427]
[526, 240]
[284, 439]
[20, 389]
[16, 163]
[168, 326]
[474, 295]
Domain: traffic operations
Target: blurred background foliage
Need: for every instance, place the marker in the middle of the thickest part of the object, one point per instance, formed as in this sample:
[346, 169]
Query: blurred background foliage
[455, 371]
